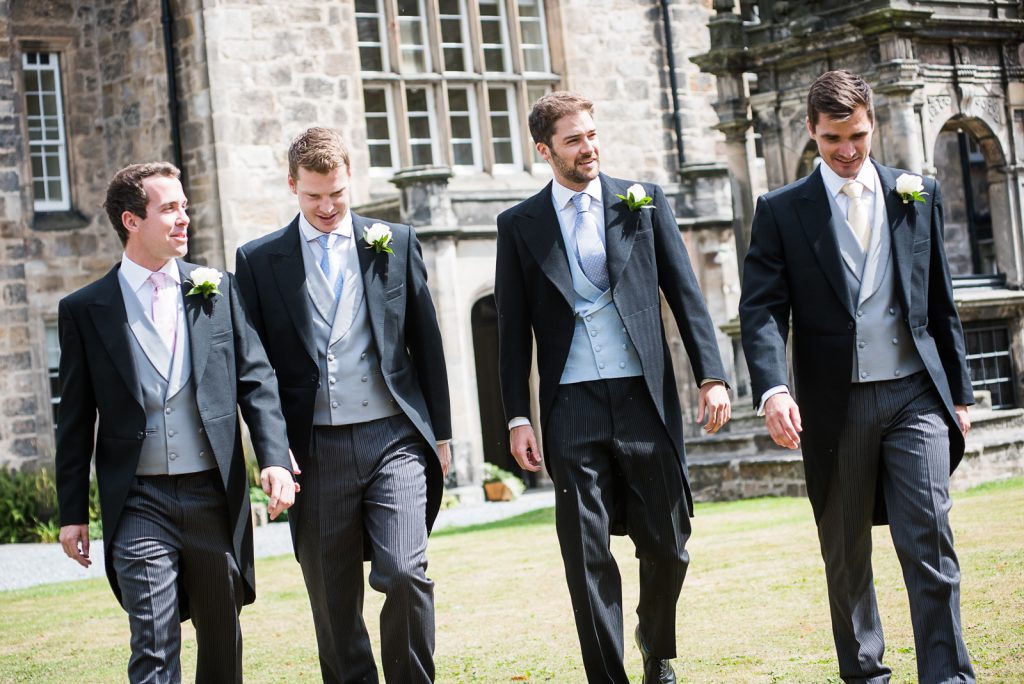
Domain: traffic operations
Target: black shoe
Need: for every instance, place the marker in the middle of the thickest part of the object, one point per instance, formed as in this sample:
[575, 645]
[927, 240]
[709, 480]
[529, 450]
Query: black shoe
[656, 671]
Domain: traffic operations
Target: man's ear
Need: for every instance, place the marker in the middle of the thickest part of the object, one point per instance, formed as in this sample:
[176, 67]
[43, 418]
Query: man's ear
[130, 221]
[543, 150]
[810, 128]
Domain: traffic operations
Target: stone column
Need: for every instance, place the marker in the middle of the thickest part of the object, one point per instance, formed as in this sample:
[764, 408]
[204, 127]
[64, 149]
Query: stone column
[425, 204]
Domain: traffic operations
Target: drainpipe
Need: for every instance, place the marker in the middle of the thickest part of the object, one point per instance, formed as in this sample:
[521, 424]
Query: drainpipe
[172, 85]
[677, 115]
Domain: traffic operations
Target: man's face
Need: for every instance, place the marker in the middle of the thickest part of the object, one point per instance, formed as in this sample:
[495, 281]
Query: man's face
[574, 153]
[163, 234]
[323, 197]
[843, 145]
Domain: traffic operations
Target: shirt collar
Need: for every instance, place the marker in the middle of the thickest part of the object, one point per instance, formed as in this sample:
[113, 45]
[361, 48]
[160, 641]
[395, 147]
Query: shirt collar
[138, 275]
[563, 195]
[309, 233]
[868, 176]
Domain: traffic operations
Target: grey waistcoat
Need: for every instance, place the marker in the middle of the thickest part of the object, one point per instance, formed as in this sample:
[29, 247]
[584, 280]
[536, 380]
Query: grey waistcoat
[883, 349]
[176, 441]
[352, 388]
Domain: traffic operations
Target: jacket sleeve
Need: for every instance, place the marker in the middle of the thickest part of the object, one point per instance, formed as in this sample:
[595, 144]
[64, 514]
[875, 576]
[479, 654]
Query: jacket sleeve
[943, 319]
[424, 343]
[76, 422]
[765, 304]
[257, 390]
[515, 337]
[682, 292]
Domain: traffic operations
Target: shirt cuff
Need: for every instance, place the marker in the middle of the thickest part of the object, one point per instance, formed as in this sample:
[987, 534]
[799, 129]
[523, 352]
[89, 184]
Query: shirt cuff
[778, 389]
[518, 421]
[706, 381]
[443, 441]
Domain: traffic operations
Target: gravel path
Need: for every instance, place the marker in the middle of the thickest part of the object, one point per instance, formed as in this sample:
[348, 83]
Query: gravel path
[26, 565]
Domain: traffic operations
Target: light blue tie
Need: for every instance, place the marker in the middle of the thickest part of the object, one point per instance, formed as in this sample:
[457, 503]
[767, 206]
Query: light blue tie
[337, 281]
[589, 248]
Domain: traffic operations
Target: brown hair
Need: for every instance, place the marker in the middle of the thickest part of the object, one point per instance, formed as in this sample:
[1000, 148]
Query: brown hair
[126, 193]
[550, 108]
[317, 149]
[836, 94]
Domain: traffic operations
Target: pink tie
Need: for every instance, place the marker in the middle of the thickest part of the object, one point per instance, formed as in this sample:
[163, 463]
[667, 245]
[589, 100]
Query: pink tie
[165, 307]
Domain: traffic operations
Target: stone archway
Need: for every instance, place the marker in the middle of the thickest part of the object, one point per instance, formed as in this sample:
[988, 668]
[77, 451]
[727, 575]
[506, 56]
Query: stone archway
[969, 164]
[808, 160]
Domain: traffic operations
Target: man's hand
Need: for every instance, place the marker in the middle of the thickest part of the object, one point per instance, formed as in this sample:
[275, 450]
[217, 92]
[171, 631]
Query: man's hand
[714, 399]
[295, 470]
[75, 540]
[444, 452]
[280, 487]
[523, 444]
[965, 420]
[782, 416]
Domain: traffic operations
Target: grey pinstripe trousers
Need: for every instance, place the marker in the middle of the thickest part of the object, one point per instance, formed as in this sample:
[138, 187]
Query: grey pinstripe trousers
[367, 482]
[173, 537]
[612, 461]
[897, 430]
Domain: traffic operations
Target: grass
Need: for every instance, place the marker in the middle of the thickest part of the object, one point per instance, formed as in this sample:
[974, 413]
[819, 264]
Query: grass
[753, 608]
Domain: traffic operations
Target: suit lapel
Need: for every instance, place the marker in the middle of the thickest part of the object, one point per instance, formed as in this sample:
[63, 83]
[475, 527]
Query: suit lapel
[111, 321]
[620, 227]
[899, 230]
[821, 227]
[197, 324]
[374, 269]
[543, 237]
[290, 276]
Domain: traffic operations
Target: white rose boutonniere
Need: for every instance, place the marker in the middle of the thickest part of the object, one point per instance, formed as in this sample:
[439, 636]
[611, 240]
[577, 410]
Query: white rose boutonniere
[205, 281]
[909, 187]
[636, 197]
[378, 237]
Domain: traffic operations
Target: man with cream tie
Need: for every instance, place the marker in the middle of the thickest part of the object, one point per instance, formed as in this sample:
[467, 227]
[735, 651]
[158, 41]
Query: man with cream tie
[581, 267]
[166, 368]
[880, 370]
[342, 305]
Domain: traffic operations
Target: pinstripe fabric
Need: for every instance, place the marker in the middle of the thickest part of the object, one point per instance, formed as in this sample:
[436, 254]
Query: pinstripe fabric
[174, 533]
[368, 479]
[897, 427]
[612, 460]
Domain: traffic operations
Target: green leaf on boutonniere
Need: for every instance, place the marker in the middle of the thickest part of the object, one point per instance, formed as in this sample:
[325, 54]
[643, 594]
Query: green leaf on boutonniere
[636, 198]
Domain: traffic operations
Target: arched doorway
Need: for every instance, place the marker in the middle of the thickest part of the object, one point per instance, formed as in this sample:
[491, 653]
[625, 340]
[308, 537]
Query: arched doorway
[493, 427]
[966, 153]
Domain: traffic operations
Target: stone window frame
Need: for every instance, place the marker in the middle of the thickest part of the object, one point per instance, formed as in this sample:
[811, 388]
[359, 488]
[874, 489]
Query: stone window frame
[52, 220]
[520, 83]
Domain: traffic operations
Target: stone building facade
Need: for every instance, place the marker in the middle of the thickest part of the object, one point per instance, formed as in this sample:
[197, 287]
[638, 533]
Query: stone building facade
[433, 96]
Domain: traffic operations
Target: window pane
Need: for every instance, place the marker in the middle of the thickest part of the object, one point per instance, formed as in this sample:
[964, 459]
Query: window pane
[49, 105]
[377, 128]
[461, 127]
[494, 60]
[53, 166]
[532, 33]
[533, 59]
[53, 192]
[416, 99]
[368, 29]
[422, 154]
[366, 6]
[380, 156]
[419, 127]
[451, 30]
[454, 59]
[503, 153]
[39, 189]
[491, 32]
[374, 100]
[449, 7]
[498, 99]
[371, 59]
[31, 81]
[462, 154]
[458, 100]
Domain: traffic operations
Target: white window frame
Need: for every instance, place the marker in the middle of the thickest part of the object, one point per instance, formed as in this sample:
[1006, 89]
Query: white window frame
[424, 45]
[512, 111]
[474, 128]
[37, 147]
[431, 115]
[389, 114]
[506, 51]
[467, 55]
[523, 46]
[382, 43]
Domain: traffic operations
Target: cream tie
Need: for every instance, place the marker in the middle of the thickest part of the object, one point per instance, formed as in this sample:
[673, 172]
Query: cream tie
[857, 214]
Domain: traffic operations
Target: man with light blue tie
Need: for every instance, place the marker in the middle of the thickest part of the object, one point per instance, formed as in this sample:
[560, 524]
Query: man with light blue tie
[341, 304]
[581, 267]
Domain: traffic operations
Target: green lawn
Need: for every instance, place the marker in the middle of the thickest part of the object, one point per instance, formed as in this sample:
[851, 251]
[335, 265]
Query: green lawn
[753, 608]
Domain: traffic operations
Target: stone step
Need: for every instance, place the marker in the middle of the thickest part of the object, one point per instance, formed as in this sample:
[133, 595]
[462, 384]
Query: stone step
[986, 419]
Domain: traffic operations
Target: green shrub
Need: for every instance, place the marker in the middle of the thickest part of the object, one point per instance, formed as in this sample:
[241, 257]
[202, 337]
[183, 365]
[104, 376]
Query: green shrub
[28, 507]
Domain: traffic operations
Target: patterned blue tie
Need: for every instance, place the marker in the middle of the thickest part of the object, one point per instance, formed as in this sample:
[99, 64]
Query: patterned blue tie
[589, 248]
[337, 281]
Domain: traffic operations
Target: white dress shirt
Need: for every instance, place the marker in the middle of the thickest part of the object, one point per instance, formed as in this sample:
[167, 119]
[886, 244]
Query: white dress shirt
[137, 278]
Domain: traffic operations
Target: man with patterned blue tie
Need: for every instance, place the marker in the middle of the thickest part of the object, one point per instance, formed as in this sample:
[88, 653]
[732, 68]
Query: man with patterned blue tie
[583, 272]
[161, 353]
[342, 306]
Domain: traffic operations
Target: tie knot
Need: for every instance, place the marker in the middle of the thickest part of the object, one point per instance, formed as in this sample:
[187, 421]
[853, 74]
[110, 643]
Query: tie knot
[325, 241]
[853, 189]
[161, 280]
[581, 201]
